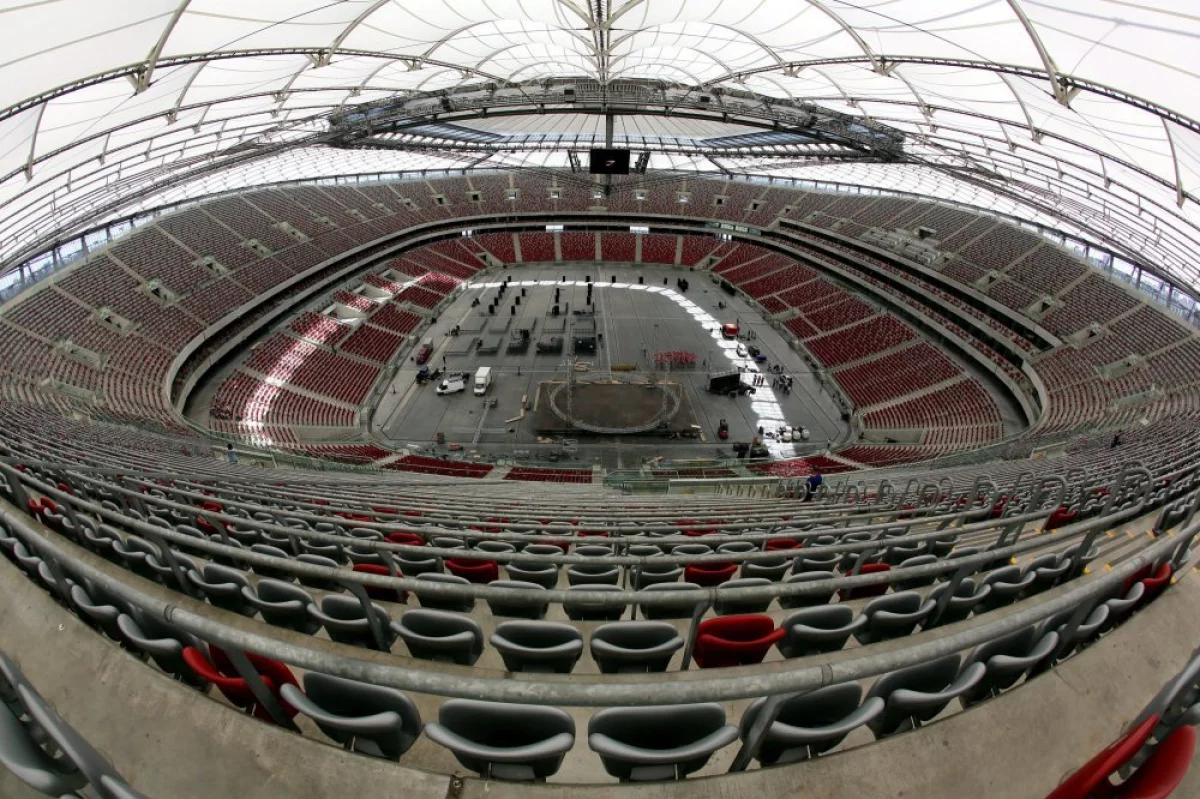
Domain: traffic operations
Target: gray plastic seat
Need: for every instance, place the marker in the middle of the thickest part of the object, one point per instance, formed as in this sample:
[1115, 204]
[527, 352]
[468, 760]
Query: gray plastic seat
[223, 588]
[359, 555]
[593, 550]
[24, 757]
[75, 752]
[414, 565]
[503, 606]
[725, 605]
[495, 546]
[909, 583]
[916, 694]
[579, 610]
[825, 628]
[1008, 584]
[119, 789]
[1047, 571]
[326, 549]
[165, 574]
[1008, 659]
[1121, 605]
[543, 574]
[808, 600]
[162, 644]
[440, 635]
[593, 574]
[547, 647]
[133, 552]
[815, 563]
[737, 547]
[460, 604]
[649, 574]
[346, 622]
[694, 548]
[682, 608]
[320, 583]
[811, 724]
[941, 546]
[1087, 631]
[284, 605]
[893, 616]
[224, 559]
[631, 647]
[273, 572]
[895, 554]
[246, 536]
[98, 613]
[771, 569]
[848, 559]
[666, 742]
[504, 741]
[370, 719]
[968, 597]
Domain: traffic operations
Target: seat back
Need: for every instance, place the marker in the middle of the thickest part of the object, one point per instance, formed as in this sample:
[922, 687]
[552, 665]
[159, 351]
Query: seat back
[531, 730]
[578, 610]
[540, 646]
[928, 678]
[644, 734]
[808, 600]
[440, 635]
[635, 646]
[351, 700]
[503, 606]
[460, 604]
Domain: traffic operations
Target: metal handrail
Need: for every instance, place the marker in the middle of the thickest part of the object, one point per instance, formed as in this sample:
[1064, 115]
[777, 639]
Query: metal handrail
[583, 691]
[959, 566]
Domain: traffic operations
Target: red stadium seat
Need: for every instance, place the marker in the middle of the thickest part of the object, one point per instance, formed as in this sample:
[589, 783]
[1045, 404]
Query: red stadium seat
[411, 539]
[1094, 774]
[709, 574]
[382, 594]
[735, 640]
[1164, 770]
[865, 591]
[220, 672]
[475, 571]
[779, 544]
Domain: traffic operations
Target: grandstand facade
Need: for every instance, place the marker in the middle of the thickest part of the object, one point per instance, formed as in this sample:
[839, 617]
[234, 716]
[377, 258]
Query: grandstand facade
[279, 563]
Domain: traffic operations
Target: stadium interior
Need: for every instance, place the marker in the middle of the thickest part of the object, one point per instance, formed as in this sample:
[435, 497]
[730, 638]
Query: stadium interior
[606, 399]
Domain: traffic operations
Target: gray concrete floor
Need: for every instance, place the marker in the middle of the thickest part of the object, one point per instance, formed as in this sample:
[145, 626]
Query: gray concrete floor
[635, 321]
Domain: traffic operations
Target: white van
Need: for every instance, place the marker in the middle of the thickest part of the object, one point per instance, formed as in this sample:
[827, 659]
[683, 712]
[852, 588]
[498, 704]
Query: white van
[453, 383]
[483, 379]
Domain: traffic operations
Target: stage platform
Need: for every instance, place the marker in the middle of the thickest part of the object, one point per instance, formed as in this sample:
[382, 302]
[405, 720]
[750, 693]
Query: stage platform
[616, 406]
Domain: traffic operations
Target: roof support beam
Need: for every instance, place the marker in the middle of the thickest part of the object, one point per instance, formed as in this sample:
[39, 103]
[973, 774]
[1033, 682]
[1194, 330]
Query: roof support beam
[37, 126]
[1034, 133]
[1063, 93]
[1180, 194]
[147, 73]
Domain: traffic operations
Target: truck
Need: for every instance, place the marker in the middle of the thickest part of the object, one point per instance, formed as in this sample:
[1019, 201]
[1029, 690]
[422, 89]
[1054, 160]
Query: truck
[729, 383]
[730, 330]
[483, 379]
[425, 350]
